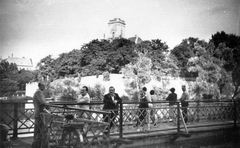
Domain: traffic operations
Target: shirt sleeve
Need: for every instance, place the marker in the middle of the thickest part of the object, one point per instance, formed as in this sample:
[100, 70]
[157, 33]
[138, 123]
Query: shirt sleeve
[84, 99]
[41, 98]
[184, 97]
[149, 99]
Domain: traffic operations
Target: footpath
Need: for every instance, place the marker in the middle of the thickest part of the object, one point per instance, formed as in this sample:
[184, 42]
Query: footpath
[156, 137]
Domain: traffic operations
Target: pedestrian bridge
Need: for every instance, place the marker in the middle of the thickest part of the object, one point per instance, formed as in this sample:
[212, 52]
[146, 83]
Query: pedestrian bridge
[202, 116]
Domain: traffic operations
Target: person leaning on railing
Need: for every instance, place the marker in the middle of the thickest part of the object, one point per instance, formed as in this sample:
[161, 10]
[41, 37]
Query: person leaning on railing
[184, 103]
[39, 106]
[111, 101]
[154, 115]
[172, 98]
[142, 112]
[83, 98]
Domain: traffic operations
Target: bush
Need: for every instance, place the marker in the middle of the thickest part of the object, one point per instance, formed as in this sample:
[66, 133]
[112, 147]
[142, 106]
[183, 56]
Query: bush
[135, 96]
[160, 93]
[99, 91]
[106, 76]
[65, 88]
[125, 98]
[91, 92]
[8, 87]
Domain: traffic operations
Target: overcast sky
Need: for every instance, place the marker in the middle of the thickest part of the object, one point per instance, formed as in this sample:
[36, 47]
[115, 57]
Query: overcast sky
[37, 28]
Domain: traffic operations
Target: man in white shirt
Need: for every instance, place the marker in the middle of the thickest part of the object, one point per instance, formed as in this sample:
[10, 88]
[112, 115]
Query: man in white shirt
[184, 103]
[83, 98]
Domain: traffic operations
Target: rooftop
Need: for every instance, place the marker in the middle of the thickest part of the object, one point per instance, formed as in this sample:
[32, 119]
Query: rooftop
[117, 20]
[20, 61]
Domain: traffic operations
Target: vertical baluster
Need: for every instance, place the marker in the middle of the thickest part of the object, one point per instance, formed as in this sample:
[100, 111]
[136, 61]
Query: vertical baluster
[235, 115]
[15, 120]
[178, 116]
[121, 120]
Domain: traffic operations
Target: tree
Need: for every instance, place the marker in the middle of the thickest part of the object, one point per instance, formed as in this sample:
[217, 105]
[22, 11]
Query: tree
[10, 86]
[68, 64]
[227, 48]
[94, 55]
[99, 56]
[25, 76]
[8, 75]
[208, 69]
[183, 52]
[120, 54]
[236, 80]
[230, 40]
[46, 68]
[137, 73]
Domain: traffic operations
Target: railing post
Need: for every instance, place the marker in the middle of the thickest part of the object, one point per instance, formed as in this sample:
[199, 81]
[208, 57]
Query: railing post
[178, 116]
[121, 120]
[15, 120]
[234, 115]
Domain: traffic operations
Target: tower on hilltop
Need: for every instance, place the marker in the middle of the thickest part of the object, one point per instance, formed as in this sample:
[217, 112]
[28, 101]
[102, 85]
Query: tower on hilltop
[116, 28]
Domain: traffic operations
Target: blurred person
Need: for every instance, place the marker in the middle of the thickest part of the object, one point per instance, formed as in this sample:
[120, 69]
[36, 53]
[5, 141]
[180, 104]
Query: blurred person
[150, 105]
[142, 112]
[39, 106]
[172, 98]
[4, 135]
[154, 115]
[184, 103]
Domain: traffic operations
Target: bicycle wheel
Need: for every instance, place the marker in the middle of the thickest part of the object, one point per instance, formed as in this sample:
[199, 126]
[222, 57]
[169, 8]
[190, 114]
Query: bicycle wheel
[71, 139]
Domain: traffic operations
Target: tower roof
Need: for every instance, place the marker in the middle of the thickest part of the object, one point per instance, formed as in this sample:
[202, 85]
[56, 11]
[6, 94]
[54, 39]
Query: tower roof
[117, 20]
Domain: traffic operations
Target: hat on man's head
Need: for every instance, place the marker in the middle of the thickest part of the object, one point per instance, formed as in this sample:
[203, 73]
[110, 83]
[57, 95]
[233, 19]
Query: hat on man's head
[172, 89]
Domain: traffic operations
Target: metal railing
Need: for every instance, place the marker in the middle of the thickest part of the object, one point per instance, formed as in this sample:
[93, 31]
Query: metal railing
[20, 119]
[56, 129]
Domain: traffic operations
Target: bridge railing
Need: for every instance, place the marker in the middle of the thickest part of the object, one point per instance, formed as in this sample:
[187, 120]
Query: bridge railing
[93, 132]
[19, 118]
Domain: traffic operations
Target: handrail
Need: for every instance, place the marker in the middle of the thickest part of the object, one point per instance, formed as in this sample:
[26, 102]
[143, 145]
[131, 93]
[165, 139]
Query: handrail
[16, 114]
[79, 109]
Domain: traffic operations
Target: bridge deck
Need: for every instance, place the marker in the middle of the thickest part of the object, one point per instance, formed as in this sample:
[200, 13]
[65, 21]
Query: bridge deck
[166, 132]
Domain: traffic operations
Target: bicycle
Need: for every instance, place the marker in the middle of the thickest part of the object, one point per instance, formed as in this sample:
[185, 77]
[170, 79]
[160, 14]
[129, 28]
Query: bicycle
[72, 135]
[72, 132]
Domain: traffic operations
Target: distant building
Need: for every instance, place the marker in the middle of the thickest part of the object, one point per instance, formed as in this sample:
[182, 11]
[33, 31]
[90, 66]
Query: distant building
[22, 63]
[136, 39]
[116, 28]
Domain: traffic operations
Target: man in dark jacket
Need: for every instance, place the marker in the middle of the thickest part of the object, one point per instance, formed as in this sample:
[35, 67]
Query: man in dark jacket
[111, 101]
[172, 98]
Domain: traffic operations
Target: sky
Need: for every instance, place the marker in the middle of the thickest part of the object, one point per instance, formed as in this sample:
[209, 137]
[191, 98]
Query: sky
[38, 28]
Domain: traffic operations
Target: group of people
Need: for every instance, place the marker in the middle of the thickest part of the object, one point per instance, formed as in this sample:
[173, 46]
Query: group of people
[111, 102]
[172, 98]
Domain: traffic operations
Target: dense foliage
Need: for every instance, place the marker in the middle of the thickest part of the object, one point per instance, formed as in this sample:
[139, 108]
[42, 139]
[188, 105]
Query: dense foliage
[211, 64]
[12, 79]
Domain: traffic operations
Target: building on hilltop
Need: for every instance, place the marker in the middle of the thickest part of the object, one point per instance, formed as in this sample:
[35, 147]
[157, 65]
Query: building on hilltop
[22, 63]
[116, 28]
[136, 39]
